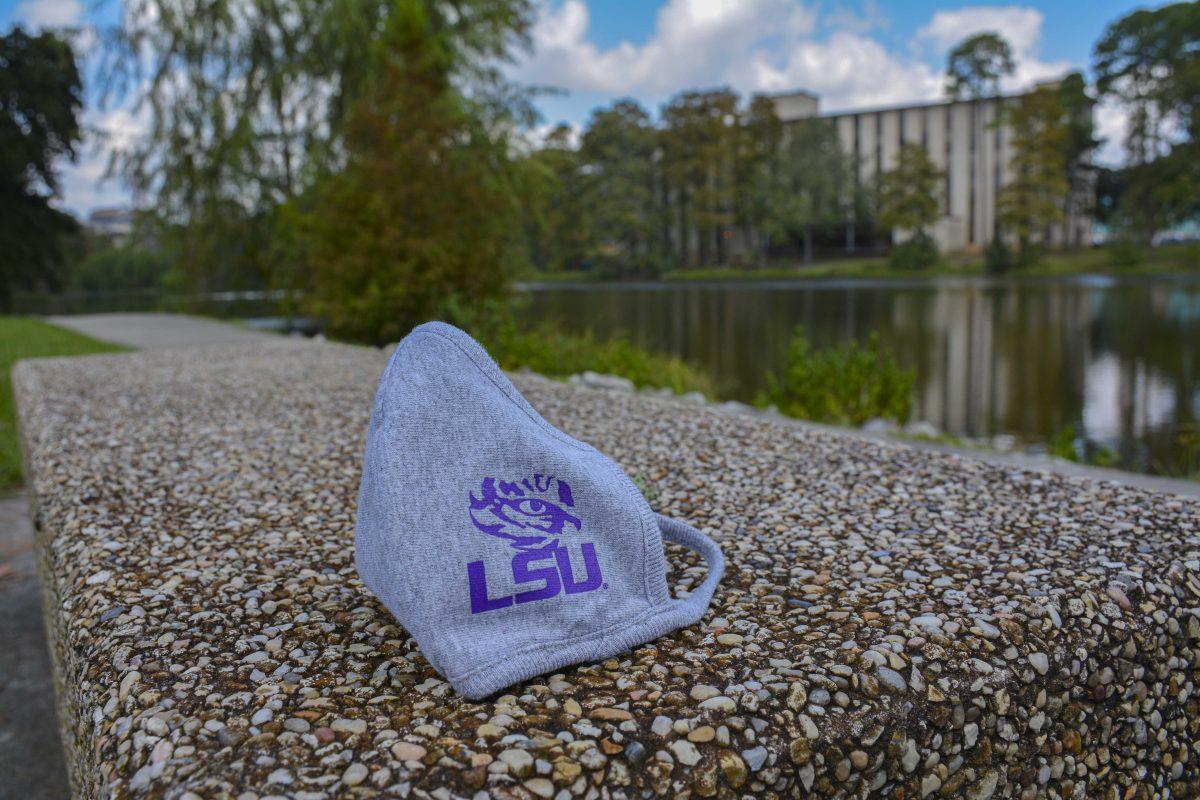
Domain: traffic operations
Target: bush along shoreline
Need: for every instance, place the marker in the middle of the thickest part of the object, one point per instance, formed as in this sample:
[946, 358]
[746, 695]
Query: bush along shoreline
[857, 386]
[911, 432]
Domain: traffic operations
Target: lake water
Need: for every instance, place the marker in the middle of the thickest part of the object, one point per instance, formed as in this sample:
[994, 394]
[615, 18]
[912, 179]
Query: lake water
[1116, 358]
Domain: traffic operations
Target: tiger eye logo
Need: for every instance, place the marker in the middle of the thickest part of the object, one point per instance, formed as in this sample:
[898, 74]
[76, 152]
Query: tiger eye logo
[531, 515]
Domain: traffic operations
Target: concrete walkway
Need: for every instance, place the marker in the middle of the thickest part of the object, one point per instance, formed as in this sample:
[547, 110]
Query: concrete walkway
[155, 331]
[31, 759]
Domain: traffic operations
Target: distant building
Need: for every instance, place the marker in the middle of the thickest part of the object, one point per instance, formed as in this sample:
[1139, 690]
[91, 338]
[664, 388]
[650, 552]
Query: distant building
[964, 140]
[114, 221]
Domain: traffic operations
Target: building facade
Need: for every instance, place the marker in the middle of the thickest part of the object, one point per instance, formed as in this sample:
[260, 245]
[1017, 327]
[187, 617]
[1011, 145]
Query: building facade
[969, 142]
[112, 221]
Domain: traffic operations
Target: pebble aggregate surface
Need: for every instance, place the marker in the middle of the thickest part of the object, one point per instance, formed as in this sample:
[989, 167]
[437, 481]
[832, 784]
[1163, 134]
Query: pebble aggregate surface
[892, 623]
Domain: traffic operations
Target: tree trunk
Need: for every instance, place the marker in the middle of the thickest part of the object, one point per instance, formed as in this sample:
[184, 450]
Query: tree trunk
[808, 244]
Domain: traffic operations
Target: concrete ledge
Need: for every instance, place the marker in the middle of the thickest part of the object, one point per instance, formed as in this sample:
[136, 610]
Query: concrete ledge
[893, 622]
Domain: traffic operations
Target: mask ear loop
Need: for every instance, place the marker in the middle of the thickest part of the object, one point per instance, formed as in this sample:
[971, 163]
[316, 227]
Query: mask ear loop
[673, 530]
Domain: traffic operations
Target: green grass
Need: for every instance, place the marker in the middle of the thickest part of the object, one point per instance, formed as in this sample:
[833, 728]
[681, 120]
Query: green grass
[1098, 260]
[566, 276]
[24, 337]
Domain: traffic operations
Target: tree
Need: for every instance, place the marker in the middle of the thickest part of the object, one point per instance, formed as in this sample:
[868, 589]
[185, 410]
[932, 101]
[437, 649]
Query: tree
[40, 101]
[249, 102]
[1081, 174]
[1036, 195]
[908, 202]
[555, 204]
[909, 191]
[619, 151]
[975, 67]
[1150, 61]
[699, 146]
[813, 182]
[420, 219]
[760, 136]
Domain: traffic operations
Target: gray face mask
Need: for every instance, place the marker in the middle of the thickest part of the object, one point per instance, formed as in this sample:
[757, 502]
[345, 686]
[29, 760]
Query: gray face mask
[506, 548]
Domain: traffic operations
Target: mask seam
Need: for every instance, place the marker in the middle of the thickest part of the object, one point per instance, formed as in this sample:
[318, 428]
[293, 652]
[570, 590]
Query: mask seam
[644, 512]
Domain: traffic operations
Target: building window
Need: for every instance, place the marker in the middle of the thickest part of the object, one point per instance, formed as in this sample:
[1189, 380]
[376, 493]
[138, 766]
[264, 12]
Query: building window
[857, 120]
[949, 148]
[971, 156]
[878, 144]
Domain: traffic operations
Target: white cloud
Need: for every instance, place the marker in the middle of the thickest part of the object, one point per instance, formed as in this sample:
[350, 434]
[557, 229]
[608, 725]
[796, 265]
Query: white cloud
[84, 187]
[49, 13]
[773, 46]
[1112, 122]
[695, 43]
[85, 184]
[846, 70]
[1021, 26]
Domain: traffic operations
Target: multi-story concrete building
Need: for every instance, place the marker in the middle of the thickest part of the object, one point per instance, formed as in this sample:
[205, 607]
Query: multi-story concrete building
[968, 140]
[112, 221]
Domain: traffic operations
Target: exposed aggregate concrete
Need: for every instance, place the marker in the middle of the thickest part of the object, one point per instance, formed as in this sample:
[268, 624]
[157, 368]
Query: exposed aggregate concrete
[892, 623]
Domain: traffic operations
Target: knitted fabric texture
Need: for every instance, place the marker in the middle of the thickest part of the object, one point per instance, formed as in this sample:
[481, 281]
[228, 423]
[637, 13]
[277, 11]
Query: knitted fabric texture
[506, 548]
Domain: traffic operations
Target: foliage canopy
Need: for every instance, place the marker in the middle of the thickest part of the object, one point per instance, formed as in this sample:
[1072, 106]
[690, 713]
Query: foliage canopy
[974, 68]
[40, 103]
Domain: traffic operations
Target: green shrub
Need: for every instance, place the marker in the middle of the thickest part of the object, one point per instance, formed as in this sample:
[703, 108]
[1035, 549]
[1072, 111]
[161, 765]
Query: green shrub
[1189, 256]
[847, 385]
[1064, 444]
[1029, 255]
[1073, 447]
[121, 267]
[1124, 252]
[998, 257]
[549, 351]
[919, 252]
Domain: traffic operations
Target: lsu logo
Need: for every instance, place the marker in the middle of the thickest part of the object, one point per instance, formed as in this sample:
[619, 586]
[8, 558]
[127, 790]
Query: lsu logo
[530, 515]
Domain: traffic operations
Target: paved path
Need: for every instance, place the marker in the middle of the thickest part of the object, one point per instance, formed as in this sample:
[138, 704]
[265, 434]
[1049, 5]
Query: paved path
[154, 331]
[31, 760]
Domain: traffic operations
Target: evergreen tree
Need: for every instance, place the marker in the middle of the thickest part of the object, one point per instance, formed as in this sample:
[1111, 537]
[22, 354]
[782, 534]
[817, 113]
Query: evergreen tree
[250, 104]
[619, 151]
[908, 202]
[974, 68]
[1036, 195]
[557, 206]
[813, 182]
[40, 102]
[759, 140]
[420, 218]
[908, 193]
[1150, 61]
[699, 142]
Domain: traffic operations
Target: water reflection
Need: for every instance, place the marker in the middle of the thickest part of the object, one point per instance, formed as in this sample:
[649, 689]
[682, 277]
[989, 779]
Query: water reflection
[1118, 359]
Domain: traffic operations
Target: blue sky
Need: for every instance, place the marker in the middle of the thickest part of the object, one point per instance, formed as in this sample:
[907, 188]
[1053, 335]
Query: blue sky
[851, 54]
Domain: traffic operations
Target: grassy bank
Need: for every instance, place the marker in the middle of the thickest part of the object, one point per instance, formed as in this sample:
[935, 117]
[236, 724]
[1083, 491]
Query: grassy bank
[22, 337]
[1098, 260]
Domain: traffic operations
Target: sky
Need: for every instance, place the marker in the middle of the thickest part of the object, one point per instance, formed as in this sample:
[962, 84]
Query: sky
[592, 52]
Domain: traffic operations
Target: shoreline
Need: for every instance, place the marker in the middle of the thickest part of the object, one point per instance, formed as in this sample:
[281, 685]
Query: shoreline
[1016, 458]
[1095, 262]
